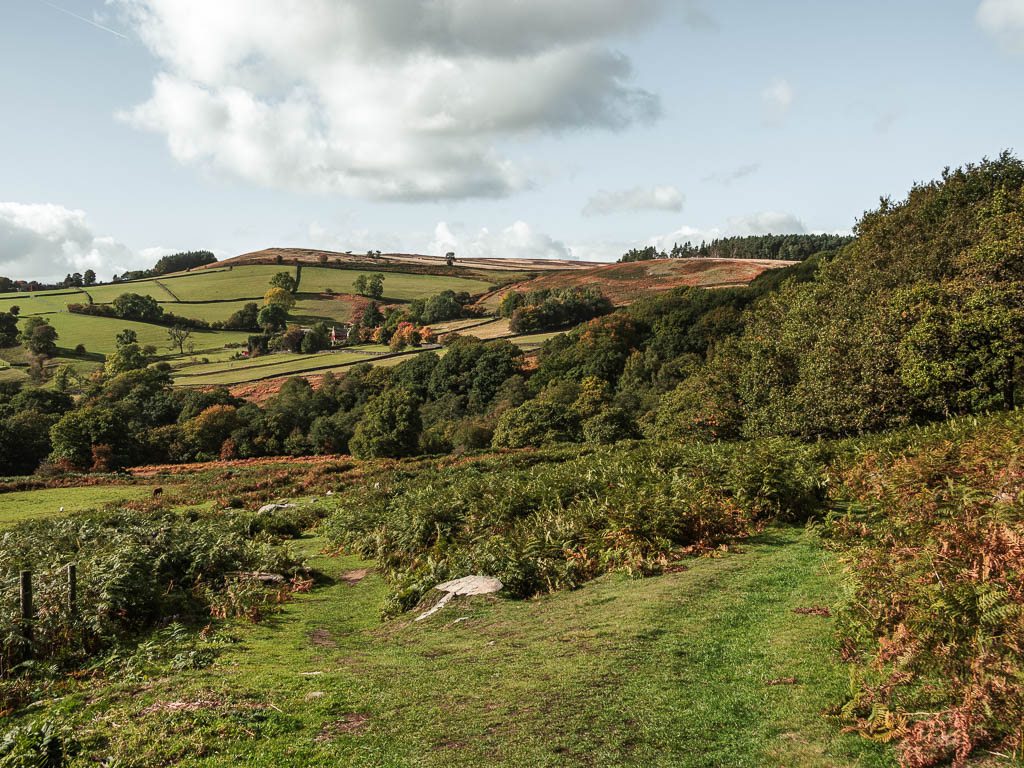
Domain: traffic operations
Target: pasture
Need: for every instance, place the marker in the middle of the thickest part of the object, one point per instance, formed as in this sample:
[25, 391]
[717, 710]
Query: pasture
[398, 286]
[17, 506]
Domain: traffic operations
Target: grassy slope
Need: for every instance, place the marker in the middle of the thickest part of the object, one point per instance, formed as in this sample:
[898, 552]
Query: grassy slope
[668, 671]
[25, 505]
[397, 286]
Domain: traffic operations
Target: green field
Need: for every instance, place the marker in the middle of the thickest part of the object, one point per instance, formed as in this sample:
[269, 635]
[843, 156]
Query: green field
[98, 333]
[26, 505]
[534, 339]
[312, 309]
[397, 286]
[105, 294]
[666, 671]
[238, 372]
[240, 283]
[212, 312]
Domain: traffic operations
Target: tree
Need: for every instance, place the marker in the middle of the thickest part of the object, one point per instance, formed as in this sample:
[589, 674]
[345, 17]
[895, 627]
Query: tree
[8, 330]
[449, 258]
[129, 355]
[390, 426]
[178, 335]
[280, 297]
[245, 319]
[89, 277]
[272, 317]
[132, 306]
[284, 280]
[15, 310]
[77, 431]
[318, 338]
[375, 286]
[179, 262]
[359, 284]
[39, 337]
[126, 337]
[534, 423]
[371, 316]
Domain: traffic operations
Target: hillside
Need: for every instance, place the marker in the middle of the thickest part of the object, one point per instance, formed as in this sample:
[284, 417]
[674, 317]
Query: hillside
[407, 261]
[326, 293]
[625, 283]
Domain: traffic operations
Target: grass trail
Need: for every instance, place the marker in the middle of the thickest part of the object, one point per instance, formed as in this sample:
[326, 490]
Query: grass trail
[667, 671]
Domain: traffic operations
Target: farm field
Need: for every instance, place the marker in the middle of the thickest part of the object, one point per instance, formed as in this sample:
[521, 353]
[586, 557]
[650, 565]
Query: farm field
[224, 284]
[397, 286]
[267, 366]
[29, 505]
[98, 334]
[105, 294]
[314, 309]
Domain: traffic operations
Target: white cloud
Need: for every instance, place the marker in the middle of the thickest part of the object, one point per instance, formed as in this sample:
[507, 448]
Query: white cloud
[355, 239]
[662, 198]
[777, 98]
[765, 223]
[45, 242]
[516, 241]
[1003, 20]
[383, 98]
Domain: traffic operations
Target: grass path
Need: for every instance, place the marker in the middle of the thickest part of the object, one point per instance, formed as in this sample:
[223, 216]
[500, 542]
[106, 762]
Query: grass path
[667, 671]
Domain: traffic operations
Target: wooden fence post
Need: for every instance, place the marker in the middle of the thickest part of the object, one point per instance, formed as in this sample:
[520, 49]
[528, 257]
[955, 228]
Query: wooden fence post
[72, 587]
[26, 603]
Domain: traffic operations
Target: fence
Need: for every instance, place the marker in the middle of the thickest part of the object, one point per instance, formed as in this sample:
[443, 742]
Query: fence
[25, 598]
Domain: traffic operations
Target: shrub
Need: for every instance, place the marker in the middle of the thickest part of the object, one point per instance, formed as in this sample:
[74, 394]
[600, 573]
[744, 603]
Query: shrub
[934, 531]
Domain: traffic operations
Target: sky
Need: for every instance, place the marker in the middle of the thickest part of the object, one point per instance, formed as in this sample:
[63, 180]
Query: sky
[525, 128]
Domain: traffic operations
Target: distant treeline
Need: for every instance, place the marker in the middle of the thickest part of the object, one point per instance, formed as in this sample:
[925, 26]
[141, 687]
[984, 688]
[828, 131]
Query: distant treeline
[780, 247]
[176, 262]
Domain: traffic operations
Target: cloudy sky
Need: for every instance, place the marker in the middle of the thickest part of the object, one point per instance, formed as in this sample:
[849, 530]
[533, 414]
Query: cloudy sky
[537, 128]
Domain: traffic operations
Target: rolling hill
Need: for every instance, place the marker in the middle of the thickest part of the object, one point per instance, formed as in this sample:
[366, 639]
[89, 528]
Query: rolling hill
[326, 293]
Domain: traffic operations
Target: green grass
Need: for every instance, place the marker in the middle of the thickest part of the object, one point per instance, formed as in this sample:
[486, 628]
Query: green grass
[534, 339]
[278, 360]
[26, 505]
[667, 671]
[98, 333]
[310, 309]
[16, 295]
[248, 282]
[212, 312]
[265, 368]
[397, 286]
[105, 294]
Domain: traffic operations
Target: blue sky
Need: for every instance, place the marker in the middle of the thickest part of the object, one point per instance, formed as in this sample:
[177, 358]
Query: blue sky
[547, 128]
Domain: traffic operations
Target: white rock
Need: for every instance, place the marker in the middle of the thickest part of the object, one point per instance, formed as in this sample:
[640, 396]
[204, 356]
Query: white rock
[471, 585]
[273, 507]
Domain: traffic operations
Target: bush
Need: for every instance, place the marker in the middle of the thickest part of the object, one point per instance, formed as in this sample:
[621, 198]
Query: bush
[932, 522]
[36, 745]
[548, 521]
[134, 569]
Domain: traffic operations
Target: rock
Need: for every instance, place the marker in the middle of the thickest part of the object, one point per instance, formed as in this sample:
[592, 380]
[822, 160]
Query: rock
[467, 585]
[471, 585]
[314, 695]
[273, 508]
